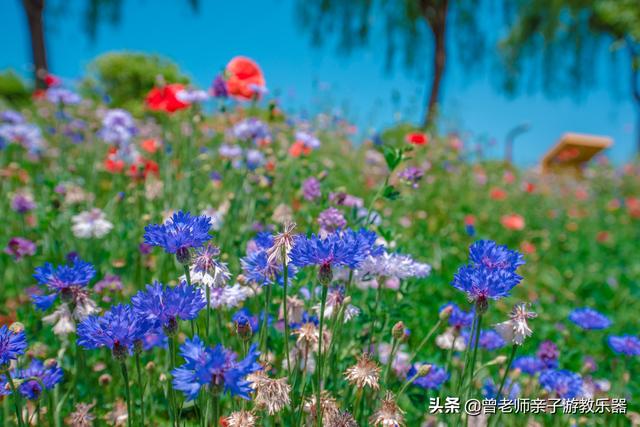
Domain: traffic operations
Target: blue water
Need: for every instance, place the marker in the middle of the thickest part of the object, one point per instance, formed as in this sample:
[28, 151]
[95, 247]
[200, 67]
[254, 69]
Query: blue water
[308, 80]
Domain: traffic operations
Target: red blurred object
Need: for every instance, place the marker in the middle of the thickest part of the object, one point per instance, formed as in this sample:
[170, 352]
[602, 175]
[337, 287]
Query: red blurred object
[633, 206]
[299, 148]
[528, 187]
[602, 236]
[51, 81]
[417, 138]
[166, 98]
[528, 247]
[244, 78]
[150, 145]
[513, 222]
[112, 163]
[469, 220]
[497, 193]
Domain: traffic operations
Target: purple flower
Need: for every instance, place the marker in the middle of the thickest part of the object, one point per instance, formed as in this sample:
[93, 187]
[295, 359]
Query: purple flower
[230, 151]
[490, 390]
[251, 129]
[530, 365]
[548, 354]
[309, 140]
[216, 368]
[458, 317]
[164, 305]
[12, 345]
[119, 329]
[192, 96]
[27, 135]
[331, 219]
[489, 339]
[628, 345]
[565, 384]
[19, 247]
[118, 127]
[179, 234]
[219, 87]
[254, 159]
[412, 175]
[23, 203]
[58, 95]
[433, 380]
[11, 117]
[490, 274]
[588, 318]
[65, 280]
[33, 378]
[311, 189]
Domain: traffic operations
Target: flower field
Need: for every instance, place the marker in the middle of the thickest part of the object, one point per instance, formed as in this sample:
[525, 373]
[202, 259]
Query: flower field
[213, 261]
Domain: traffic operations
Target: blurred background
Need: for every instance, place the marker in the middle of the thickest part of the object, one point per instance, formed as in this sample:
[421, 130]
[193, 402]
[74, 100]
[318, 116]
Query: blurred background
[487, 70]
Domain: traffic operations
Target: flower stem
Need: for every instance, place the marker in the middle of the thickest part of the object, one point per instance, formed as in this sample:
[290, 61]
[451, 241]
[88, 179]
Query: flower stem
[323, 302]
[475, 349]
[466, 353]
[207, 330]
[392, 355]
[265, 320]
[16, 398]
[506, 372]
[125, 376]
[426, 339]
[140, 387]
[286, 314]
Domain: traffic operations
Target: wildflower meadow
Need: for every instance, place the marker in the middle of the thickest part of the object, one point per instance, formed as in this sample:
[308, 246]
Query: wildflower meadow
[205, 259]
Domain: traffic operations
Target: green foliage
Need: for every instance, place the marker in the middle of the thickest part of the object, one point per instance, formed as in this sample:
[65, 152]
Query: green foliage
[13, 90]
[126, 77]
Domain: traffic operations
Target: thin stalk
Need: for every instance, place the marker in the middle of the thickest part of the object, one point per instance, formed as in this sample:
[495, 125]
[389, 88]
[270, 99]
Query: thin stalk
[475, 349]
[263, 328]
[392, 355]
[140, 387]
[286, 314]
[374, 314]
[466, 353]
[506, 372]
[125, 376]
[207, 330]
[16, 398]
[323, 302]
[216, 408]
[426, 339]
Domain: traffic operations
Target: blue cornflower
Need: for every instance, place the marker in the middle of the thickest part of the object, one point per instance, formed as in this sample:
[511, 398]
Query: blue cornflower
[256, 267]
[243, 317]
[12, 345]
[119, 329]
[458, 318]
[118, 127]
[565, 384]
[628, 345]
[433, 380]
[165, 305]
[548, 354]
[588, 318]
[251, 129]
[490, 389]
[215, 367]
[179, 234]
[340, 248]
[530, 365]
[489, 339]
[33, 378]
[65, 280]
[491, 274]
[488, 254]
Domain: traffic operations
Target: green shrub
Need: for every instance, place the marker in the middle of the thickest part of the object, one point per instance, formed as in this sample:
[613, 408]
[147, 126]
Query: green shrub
[126, 77]
[13, 90]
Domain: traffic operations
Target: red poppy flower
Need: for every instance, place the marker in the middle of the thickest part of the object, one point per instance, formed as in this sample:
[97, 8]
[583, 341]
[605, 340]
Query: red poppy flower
[528, 247]
[112, 163]
[497, 193]
[143, 168]
[166, 98]
[469, 220]
[244, 78]
[417, 138]
[528, 187]
[150, 145]
[513, 222]
[51, 81]
[299, 148]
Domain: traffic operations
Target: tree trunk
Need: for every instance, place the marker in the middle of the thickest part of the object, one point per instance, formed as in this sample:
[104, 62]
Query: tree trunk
[33, 9]
[436, 17]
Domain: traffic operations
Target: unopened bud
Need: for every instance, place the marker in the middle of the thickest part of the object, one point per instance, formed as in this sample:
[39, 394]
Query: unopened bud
[424, 370]
[183, 256]
[104, 379]
[325, 275]
[446, 312]
[397, 332]
[150, 366]
[16, 327]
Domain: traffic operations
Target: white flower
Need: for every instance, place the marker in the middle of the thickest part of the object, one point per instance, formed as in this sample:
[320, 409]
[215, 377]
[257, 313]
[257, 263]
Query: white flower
[516, 329]
[218, 278]
[62, 320]
[449, 339]
[91, 223]
[393, 265]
